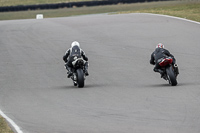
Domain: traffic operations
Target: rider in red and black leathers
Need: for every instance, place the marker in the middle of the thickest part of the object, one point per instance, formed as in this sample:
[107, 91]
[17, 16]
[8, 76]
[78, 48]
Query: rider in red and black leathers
[69, 58]
[160, 53]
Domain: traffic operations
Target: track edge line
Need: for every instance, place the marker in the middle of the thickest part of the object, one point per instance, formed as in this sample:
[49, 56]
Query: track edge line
[172, 17]
[18, 130]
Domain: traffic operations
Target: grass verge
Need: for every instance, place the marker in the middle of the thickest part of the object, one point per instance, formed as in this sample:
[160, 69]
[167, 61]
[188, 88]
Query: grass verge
[4, 128]
[184, 9]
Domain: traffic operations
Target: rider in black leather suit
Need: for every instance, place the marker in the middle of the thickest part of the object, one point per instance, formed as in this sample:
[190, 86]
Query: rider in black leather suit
[160, 53]
[75, 49]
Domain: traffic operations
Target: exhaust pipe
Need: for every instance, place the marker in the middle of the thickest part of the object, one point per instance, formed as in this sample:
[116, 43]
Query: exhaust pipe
[176, 69]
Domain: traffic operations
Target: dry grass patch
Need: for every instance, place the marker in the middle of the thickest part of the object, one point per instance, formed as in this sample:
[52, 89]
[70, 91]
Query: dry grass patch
[189, 11]
[4, 128]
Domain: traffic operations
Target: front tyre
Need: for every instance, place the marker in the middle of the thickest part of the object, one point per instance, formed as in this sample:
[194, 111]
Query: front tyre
[171, 76]
[80, 78]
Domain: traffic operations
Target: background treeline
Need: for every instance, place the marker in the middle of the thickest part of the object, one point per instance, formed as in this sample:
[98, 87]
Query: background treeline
[70, 5]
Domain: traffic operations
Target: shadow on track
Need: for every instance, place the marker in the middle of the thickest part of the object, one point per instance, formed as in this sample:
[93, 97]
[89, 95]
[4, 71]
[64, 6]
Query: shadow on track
[159, 85]
[86, 86]
[167, 85]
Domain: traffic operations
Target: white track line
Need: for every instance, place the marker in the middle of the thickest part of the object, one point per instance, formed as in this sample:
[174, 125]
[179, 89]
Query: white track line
[184, 19]
[11, 122]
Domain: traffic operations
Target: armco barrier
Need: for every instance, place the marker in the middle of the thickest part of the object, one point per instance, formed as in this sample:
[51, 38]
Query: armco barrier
[69, 5]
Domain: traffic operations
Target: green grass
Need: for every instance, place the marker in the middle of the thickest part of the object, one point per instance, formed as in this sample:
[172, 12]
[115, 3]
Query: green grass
[4, 128]
[189, 11]
[184, 9]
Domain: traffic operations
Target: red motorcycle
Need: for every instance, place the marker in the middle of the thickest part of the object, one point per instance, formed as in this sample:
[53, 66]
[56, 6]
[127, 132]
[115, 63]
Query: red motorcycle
[170, 71]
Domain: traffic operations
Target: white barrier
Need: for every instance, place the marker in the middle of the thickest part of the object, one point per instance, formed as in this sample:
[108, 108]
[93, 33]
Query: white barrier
[39, 16]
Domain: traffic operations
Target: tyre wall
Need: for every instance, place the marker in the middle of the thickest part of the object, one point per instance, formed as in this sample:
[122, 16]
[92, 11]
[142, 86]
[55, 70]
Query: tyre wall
[70, 5]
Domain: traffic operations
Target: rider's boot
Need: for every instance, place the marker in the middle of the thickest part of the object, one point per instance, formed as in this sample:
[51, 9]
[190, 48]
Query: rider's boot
[86, 69]
[160, 71]
[75, 84]
[69, 71]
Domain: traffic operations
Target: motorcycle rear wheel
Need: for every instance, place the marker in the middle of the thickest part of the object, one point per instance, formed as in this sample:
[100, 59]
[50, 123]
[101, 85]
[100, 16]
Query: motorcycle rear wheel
[80, 78]
[171, 76]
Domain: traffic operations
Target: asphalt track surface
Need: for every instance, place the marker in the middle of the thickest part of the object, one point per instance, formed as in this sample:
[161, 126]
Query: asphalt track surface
[122, 93]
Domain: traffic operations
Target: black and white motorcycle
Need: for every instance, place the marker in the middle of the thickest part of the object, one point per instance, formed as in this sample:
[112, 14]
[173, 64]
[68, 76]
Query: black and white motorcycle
[78, 70]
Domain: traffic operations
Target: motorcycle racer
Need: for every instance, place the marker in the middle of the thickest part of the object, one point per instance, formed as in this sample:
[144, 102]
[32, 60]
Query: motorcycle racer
[69, 57]
[159, 54]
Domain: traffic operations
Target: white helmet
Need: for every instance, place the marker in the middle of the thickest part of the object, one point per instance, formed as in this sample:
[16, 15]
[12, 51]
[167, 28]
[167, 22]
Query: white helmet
[160, 45]
[75, 43]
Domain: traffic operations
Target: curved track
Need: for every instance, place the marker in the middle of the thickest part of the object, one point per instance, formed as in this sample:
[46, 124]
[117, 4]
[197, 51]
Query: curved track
[122, 93]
